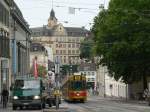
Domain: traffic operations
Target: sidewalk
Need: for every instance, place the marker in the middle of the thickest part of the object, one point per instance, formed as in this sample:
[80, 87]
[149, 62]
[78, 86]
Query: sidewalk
[118, 100]
[8, 105]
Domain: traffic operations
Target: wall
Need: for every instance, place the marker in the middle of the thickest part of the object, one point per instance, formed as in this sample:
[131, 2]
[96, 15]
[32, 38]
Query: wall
[107, 86]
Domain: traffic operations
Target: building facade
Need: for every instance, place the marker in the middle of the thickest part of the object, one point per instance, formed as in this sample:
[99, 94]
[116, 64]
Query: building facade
[4, 44]
[65, 41]
[89, 70]
[38, 51]
[20, 42]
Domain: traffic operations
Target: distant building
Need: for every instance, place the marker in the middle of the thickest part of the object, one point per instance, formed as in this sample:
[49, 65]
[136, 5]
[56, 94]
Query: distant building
[64, 41]
[49, 53]
[38, 51]
[89, 70]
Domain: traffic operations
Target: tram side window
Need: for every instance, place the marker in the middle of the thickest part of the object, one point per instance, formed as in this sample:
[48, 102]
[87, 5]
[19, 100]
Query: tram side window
[84, 84]
[71, 85]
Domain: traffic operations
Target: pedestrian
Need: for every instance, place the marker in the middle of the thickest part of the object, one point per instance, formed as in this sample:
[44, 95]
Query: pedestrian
[5, 95]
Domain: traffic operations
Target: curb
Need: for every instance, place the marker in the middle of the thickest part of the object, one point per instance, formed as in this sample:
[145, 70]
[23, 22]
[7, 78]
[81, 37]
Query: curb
[120, 100]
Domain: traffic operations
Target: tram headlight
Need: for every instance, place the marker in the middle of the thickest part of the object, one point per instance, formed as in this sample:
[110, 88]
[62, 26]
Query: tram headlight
[78, 94]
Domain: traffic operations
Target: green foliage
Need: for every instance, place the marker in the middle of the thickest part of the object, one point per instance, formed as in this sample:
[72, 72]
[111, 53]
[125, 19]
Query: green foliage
[42, 71]
[86, 49]
[65, 69]
[123, 40]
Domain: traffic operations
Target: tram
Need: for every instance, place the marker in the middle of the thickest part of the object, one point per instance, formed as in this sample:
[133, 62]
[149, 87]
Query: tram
[74, 88]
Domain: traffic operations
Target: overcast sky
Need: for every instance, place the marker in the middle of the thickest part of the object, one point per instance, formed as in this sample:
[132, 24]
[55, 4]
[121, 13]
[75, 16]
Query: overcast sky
[36, 12]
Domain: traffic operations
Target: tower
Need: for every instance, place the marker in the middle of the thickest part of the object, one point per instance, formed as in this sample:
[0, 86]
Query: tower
[52, 21]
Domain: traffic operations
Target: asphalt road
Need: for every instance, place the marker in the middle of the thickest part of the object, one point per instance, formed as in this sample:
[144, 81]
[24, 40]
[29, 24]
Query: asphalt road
[94, 104]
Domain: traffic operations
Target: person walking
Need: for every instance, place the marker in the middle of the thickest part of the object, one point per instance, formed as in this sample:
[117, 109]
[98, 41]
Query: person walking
[5, 95]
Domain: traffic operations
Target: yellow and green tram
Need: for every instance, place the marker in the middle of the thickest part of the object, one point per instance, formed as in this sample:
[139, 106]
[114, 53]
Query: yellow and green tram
[74, 88]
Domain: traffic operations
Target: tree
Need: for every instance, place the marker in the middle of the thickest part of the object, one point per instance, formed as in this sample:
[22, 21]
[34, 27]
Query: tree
[123, 40]
[86, 49]
[65, 69]
[42, 71]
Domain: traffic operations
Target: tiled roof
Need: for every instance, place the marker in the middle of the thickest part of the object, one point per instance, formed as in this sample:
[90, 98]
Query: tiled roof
[76, 31]
[71, 31]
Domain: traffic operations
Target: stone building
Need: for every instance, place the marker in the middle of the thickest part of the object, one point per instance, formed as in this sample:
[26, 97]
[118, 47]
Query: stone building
[20, 42]
[65, 41]
[4, 44]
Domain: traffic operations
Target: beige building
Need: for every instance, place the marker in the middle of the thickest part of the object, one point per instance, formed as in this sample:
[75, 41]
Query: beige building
[64, 41]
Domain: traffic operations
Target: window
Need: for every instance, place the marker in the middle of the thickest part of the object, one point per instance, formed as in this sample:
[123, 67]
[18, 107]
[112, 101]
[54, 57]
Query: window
[73, 51]
[93, 73]
[64, 51]
[73, 45]
[19, 59]
[60, 51]
[64, 45]
[78, 45]
[92, 79]
[77, 51]
[57, 52]
[56, 39]
[4, 44]
[69, 51]
[69, 40]
[0, 44]
[73, 40]
[4, 15]
[77, 40]
[60, 45]
[69, 45]
[1, 12]
[64, 59]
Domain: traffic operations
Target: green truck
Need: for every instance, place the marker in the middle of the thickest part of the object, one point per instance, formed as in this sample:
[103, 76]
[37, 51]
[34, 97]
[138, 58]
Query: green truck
[28, 93]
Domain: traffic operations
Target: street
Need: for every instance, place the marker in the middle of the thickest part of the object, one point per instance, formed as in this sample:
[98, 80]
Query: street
[94, 104]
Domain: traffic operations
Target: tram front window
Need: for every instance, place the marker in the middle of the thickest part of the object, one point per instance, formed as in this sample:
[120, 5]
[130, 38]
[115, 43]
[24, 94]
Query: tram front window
[77, 85]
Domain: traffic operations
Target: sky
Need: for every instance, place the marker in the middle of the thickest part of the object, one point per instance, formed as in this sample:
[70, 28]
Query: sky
[37, 12]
